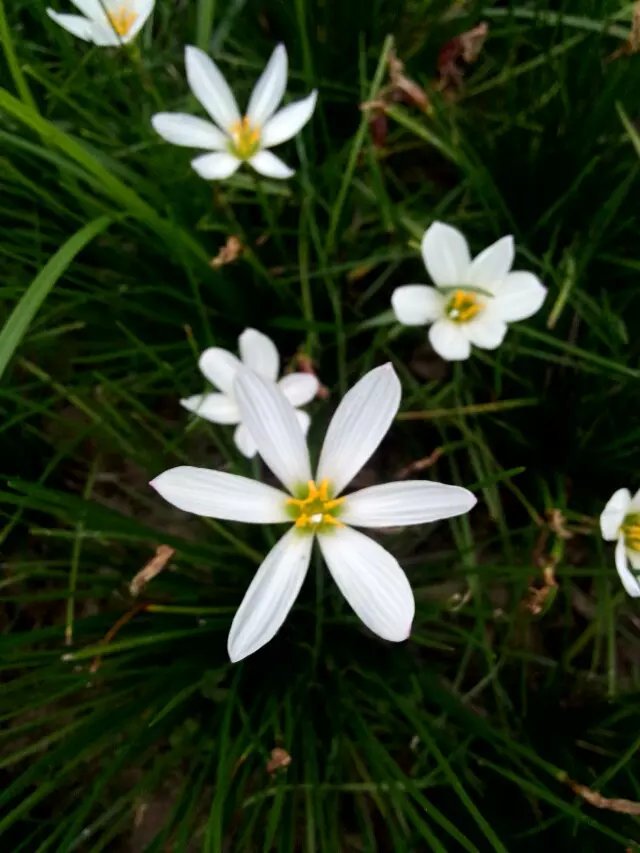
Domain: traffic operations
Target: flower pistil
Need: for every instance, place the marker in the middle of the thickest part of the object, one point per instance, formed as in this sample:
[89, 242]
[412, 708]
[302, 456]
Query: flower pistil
[245, 139]
[463, 306]
[631, 531]
[316, 508]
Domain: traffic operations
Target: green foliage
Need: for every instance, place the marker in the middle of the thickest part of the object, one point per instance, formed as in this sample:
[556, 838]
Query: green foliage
[125, 726]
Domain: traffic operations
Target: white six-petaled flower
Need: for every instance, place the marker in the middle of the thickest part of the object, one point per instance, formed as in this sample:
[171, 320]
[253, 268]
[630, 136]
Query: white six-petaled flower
[368, 576]
[106, 23]
[620, 522]
[219, 367]
[231, 137]
[473, 299]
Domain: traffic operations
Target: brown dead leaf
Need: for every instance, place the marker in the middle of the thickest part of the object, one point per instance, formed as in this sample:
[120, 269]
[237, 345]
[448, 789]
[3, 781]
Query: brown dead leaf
[419, 464]
[280, 759]
[155, 565]
[228, 253]
[464, 48]
[538, 596]
[592, 797]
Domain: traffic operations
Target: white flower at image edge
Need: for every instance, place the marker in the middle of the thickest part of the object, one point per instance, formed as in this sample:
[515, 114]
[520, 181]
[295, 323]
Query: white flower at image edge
[233, 138]
[109, 23]
[473, 299]
[368, 576]
[620, 523]
[219, 367]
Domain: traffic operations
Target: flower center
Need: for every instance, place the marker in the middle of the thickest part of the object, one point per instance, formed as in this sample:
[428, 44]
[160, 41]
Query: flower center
[631, 531]
[245, 139]
[315, 508]
[463, 305]
[122, 19]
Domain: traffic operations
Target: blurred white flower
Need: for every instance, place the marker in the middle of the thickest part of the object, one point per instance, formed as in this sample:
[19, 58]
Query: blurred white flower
[620, 522]
[233, 138]
[219, 367]
[107, 23]
[368, 576]
[473, 299]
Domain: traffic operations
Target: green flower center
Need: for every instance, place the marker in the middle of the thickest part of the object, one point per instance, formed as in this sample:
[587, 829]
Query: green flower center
[631, 531]
[315, 509]
[463, 305]
[245, 139]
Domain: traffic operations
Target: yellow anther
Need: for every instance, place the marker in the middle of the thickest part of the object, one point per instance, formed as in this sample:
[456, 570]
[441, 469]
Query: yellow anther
[317, 508]
[245, 139]
[631, 534]
[122, 19]
[463, 306]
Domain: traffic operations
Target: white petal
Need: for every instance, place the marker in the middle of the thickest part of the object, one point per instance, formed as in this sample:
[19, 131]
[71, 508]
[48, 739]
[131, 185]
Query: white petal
[486, 331]
[190, 131]
[270, 166]
[446, 254]
[104, 35]
[215, 167]
[492, 264]
[634, 505]
[244, 442]
[304, 420]
[371, 581]
[89, 8]
[299, 388]
[216, 494]
[288, 121]
[271, 594]
[449, 341]
[417, 304]
[519, 296]
[274, 427]
[210, 88]
[634, 558]
[74, 24]
[613, 514]
[219, 366]
[629, 580]
[217, 408]
[410, 502]
[259, 352]
[358, 426]
[268, 91]
[143, 9]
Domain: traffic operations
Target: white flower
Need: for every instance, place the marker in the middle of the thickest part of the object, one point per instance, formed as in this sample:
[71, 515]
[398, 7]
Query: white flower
[474, 299]
[233, 138]
[620, 522]
[107, 23]
[368, 576]
[219, 366]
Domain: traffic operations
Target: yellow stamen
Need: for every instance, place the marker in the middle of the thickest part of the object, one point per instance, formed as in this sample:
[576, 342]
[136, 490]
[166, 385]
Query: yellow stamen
[317, 508]
[245, 139]
[631, 532]
[122, 19]
[463, 306]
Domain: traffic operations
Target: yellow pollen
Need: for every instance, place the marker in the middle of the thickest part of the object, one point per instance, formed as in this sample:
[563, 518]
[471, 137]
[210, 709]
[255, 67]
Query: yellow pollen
[245, 139]
[318, 508]
[463, 306]
[122, 19]
[631, 532]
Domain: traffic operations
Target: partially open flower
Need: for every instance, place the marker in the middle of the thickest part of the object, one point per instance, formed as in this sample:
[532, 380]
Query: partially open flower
[620, 523]
[368, 576]
[219, 366]
[473, 299]
[233, 138]
[106, 23]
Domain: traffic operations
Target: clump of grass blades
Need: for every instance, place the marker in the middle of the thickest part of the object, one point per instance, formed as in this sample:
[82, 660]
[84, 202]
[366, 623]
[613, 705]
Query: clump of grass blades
[464, 739]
